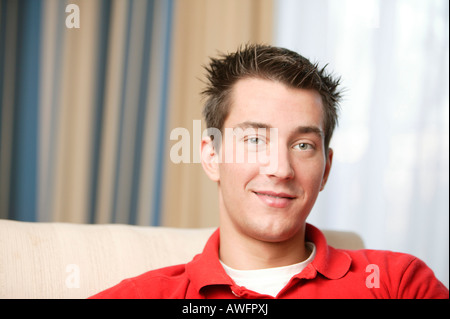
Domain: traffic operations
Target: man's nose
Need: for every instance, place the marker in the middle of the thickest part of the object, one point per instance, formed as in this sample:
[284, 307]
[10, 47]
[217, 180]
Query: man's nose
[279, 163]
[284, 168]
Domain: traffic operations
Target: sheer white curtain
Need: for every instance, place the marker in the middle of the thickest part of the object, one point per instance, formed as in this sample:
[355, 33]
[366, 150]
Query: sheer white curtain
[390, 175]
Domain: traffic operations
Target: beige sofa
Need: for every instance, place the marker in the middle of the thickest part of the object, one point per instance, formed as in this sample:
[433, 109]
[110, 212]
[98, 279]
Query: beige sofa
[57, 260]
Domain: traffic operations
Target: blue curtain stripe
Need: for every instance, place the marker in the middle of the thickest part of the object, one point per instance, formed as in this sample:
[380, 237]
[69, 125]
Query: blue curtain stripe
[142, 109]
[115, 212]
[105, 24]
[161, 151]
[24, 156]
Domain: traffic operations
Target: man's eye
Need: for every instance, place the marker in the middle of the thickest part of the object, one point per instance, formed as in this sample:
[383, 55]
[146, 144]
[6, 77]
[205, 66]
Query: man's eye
[304, 146]
[255, 140]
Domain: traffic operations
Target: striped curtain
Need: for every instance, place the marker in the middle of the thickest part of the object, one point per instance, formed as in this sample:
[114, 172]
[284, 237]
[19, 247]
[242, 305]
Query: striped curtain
[86, 112]
[83, 110]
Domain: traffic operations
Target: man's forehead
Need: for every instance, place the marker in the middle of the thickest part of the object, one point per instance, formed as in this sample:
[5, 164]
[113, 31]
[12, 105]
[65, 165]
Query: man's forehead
[258, 103]
[257, 92]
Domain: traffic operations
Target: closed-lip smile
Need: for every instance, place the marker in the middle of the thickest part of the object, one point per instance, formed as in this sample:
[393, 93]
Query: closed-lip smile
[274, 194]
[275, 199]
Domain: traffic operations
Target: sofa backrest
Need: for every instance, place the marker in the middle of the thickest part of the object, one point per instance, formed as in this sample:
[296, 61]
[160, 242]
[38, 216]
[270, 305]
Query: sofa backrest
[58, 260]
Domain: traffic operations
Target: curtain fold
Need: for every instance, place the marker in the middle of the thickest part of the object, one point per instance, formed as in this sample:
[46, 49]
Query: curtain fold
[74, 144]
[20, 38]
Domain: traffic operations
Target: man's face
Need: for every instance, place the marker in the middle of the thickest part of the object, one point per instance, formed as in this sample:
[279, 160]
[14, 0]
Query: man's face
[271, 205]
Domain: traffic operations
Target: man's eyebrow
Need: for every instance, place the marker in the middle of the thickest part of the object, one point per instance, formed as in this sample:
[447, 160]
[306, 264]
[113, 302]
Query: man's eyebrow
[308, 129]
[250, 124]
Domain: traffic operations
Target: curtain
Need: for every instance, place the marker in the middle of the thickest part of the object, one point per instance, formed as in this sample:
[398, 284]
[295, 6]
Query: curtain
[83, 110]
[389, 180]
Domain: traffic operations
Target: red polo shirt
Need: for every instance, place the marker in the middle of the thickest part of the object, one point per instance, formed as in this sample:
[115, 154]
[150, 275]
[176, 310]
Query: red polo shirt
[334, 273]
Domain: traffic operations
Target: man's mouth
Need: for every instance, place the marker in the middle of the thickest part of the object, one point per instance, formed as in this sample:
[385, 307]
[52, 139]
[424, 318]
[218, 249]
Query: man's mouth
[274, 199]
[275, 195]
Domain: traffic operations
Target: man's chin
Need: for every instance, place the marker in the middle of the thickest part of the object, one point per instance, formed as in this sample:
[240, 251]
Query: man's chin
[278, 235]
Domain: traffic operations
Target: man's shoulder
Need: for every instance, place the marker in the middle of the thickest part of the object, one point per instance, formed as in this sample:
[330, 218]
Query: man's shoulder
[384, 257]
[411, 276]
[390, 261]
[166, 282]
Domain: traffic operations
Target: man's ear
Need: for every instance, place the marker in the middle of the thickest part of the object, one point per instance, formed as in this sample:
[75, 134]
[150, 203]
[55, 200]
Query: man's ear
[210, 159]
[326, 173]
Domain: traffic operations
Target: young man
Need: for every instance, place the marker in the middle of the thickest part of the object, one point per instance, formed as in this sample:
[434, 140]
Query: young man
[272, 114]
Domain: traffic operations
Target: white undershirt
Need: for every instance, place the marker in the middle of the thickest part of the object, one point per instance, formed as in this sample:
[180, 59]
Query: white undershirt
[269, 281]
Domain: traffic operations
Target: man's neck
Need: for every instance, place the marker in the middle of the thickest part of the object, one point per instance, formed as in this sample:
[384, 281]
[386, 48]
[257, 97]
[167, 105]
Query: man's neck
[243, 252]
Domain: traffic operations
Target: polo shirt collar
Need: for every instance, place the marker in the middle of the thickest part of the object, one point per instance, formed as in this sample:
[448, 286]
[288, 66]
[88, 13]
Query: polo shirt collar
[205, 269]
[330, 262]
